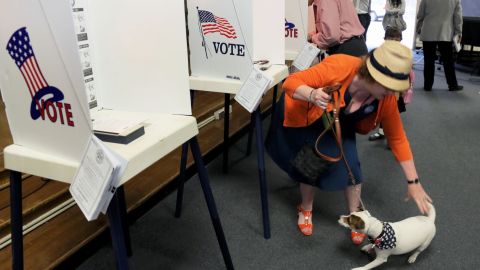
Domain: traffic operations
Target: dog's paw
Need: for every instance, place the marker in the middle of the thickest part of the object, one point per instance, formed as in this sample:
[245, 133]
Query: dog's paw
[412, 258]
[367, 248]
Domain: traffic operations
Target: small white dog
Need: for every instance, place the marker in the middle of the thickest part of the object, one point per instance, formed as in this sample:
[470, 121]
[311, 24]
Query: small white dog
[394, 238]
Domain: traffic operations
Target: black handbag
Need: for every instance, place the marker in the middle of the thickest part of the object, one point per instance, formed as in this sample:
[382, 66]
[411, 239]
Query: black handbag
[309, 161]
[309, 164]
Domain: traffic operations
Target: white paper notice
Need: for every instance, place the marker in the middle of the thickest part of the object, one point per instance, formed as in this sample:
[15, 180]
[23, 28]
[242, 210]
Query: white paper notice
[252, 90]
[116, 177]
[305, 57]
[93, 179]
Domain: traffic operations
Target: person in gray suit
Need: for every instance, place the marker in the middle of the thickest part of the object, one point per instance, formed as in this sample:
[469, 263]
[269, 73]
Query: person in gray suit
[363, 12]
[438, 22]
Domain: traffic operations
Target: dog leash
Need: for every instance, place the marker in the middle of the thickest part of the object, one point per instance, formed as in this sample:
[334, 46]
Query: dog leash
[334, 92]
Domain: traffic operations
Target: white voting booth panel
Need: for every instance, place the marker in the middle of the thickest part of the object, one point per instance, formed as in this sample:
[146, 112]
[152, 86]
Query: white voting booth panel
[139, 55]
[225, 36]
[296, 27]
[266, 33]
[45, 99]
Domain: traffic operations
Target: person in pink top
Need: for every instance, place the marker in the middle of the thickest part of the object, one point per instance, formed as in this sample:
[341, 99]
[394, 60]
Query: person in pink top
[338, 29]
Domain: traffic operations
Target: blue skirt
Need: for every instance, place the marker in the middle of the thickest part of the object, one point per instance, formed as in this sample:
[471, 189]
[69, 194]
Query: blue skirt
[283, 144]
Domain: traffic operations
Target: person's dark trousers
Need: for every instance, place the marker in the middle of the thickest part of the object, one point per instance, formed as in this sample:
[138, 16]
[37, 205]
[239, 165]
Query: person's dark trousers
[430, 54]
[355, 46]
[365, 21]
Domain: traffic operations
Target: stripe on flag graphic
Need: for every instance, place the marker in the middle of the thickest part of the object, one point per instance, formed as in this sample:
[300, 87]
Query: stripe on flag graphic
[213, 24]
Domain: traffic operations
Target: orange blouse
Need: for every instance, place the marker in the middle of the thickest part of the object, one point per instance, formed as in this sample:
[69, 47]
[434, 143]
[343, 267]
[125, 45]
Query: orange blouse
[341, 68]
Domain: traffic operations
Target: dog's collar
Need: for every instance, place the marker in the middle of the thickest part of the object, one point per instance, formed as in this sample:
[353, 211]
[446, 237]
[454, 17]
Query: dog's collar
[386, 239]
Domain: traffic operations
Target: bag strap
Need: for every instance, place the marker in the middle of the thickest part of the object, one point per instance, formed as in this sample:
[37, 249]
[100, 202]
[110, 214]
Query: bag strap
[334, 92]
[337, 132]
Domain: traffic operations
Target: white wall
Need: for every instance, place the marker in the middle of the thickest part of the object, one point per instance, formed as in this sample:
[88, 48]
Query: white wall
[471, 8]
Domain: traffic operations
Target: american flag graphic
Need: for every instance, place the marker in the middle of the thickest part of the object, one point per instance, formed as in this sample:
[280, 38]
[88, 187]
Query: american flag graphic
[21, 52]
[213, 24]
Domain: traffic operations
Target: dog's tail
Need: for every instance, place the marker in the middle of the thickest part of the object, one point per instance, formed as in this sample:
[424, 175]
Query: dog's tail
[431, 212]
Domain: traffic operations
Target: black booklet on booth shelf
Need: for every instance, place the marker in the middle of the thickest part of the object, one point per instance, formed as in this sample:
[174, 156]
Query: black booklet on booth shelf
[116, 131]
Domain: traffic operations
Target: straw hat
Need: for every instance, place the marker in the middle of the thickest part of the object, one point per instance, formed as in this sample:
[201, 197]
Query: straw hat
[390, 65]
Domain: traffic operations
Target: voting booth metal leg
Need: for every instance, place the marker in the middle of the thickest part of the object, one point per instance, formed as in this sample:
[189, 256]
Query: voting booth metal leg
[181, 180]
[274, 99]
[252, 120]
[16, 219]
[212, 208]
[251, 129]
[117, 232]
[226, 132]
[123, 215]
[261, 172]
[183, 170]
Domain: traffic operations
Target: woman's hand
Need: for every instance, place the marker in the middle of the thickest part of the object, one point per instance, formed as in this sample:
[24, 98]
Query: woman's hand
[320, 98]
[421, 198]
[415, 189]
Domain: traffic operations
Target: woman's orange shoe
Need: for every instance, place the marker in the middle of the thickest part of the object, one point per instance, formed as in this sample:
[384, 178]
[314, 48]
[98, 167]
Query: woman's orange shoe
[307, 227]
[357, 237]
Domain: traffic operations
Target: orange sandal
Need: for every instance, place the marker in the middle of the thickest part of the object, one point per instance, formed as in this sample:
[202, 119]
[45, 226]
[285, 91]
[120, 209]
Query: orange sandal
[307, 227]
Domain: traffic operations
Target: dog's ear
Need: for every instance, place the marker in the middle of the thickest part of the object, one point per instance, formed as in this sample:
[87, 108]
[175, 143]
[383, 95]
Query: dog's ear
[356, 222]
[344, 221]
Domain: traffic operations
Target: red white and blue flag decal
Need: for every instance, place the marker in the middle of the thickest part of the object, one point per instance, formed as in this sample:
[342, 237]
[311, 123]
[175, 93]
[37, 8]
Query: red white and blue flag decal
[213, 24]
[44, 97]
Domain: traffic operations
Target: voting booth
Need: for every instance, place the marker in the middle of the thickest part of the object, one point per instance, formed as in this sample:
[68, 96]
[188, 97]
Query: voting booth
[68, 63]
[225, 37]
[238, 45]
[296, 27]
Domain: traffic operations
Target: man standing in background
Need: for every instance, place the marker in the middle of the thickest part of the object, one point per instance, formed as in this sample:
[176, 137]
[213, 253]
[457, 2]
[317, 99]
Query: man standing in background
[363, 12]
[438, 22]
